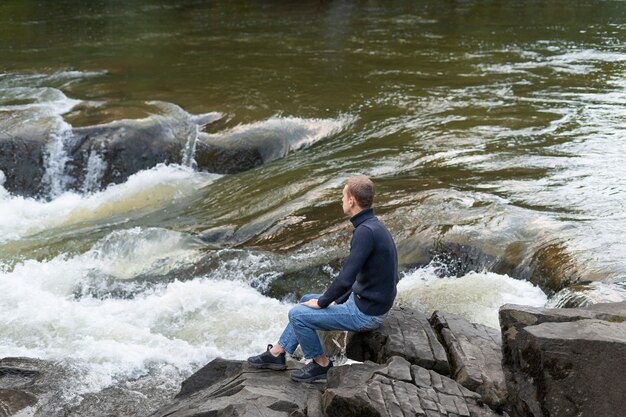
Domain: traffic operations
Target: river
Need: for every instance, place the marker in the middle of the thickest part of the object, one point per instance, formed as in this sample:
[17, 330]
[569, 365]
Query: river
[494, 132]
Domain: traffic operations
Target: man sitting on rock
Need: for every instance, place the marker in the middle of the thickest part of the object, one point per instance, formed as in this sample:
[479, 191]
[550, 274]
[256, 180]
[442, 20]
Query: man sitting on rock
[359, 298]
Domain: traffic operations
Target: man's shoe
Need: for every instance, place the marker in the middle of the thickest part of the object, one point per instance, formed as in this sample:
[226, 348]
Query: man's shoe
[267, 360]
[311, 372]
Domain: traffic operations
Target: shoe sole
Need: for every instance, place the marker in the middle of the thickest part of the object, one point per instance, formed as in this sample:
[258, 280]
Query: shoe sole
[274, 366]
[311, 379]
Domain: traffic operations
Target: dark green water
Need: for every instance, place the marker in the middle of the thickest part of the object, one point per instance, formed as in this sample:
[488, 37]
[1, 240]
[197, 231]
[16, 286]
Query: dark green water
[516, 110]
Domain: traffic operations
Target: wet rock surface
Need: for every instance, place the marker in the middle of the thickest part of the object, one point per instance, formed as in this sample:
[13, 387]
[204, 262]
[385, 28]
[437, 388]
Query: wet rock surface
[475, 354]
[39, 388]
[21, 161]
[12, 401]
[125, 147]
[110, 153]
[26, 382]
[406, 333]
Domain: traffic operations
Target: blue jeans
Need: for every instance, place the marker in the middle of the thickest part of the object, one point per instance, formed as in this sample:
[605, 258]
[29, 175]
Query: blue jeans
[304, 321]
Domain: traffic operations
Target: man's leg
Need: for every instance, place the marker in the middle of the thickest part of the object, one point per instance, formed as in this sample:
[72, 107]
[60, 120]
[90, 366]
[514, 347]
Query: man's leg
[288, 341]
[274, 356]
[306, 322]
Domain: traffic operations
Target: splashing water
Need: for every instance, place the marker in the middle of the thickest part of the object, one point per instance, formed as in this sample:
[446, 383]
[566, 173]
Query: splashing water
[476, 296]
[145, 191]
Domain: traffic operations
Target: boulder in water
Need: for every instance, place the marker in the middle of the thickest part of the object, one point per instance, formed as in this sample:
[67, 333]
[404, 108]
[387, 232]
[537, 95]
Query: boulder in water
[21, 161]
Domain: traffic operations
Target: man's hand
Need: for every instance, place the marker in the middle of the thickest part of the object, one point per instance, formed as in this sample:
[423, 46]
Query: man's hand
[312, 303]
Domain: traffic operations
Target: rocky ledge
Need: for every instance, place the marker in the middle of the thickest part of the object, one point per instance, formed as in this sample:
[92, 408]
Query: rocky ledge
[544, 362]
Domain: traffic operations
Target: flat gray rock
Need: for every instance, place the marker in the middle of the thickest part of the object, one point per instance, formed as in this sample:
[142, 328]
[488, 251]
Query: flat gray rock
[397, 389]
[232, 388]
[476, 356]
[514, 318]
[405, 333]
[570, 369]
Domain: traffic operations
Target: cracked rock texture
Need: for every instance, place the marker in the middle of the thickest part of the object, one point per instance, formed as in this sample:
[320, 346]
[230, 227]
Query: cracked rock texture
[565, 362]
[405, 333]
[397, 389]
[475, 354]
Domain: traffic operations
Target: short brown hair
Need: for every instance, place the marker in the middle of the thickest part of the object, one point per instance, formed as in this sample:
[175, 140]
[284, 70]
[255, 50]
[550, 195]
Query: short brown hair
[362, 189]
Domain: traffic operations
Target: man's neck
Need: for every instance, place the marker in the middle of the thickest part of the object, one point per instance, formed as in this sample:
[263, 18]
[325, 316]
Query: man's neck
[353, 212]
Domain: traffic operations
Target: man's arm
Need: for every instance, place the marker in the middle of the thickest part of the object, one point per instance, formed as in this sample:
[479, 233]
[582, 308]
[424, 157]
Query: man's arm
[361, 248]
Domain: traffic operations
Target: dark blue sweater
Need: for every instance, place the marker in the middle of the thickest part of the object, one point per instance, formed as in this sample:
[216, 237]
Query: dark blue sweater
[371, 270]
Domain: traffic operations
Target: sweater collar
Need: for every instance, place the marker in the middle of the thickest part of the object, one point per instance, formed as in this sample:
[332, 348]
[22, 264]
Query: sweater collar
[361, 216]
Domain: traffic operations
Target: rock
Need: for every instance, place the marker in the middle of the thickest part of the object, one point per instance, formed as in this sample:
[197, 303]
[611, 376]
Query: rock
[397, 388]
[476, 356]
[569, 369]
[33, 387]
[513, 318]
[208, 375]
[518, 320]
[614, 312]
[28, 382]
[125, 147]
[228, 158]
[21, 161]
[109, 153]
[12, 401]
[405, 333]
[333, 342]
[231, 388]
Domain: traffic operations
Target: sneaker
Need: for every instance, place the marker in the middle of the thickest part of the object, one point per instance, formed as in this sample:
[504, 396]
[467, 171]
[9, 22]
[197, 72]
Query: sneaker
[312, 371]
[267, 360]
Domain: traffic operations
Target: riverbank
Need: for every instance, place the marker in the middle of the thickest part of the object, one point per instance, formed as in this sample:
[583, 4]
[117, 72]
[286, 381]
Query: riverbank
[544, 362]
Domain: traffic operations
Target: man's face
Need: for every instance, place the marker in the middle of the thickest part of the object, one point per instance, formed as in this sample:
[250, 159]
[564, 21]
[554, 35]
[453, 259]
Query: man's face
[345, 200]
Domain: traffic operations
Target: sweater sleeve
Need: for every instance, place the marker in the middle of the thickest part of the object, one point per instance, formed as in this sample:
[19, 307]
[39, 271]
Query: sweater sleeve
[361, 247]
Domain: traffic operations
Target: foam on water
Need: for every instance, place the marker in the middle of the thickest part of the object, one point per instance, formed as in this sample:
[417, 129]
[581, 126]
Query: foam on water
[298, 132]
[147, 190]
[476, 296]
[180, 324]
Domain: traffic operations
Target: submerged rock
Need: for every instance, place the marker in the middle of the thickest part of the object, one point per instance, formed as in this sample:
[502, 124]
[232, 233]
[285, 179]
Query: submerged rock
[109, 153]
[405, 333]
[476, 356]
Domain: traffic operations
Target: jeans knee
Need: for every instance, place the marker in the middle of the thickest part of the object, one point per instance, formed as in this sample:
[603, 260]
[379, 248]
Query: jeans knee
[295, 314]
[307, 297]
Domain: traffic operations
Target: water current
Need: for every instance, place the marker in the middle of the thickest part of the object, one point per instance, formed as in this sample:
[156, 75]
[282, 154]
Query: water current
[494, 132]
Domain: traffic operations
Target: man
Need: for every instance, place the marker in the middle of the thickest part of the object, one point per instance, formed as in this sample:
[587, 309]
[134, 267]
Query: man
[359, 298]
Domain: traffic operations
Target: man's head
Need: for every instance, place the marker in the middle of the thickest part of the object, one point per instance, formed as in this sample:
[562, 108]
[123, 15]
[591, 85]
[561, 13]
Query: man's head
[358, 194]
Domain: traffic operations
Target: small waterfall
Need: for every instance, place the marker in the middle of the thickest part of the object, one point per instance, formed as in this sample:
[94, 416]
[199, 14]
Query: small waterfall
[56, 158]
[93, 173]
[189, 151]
